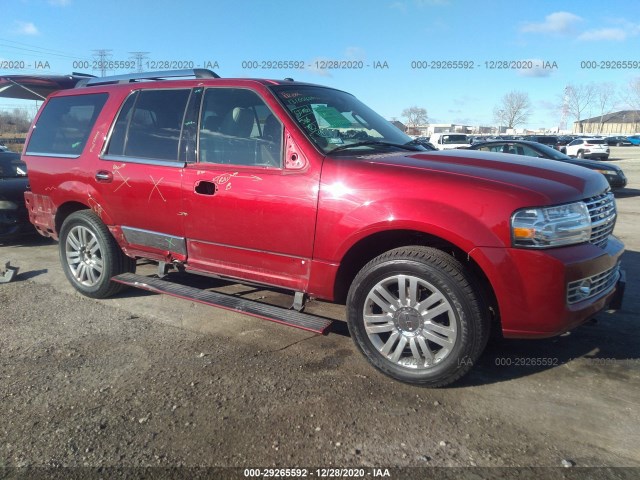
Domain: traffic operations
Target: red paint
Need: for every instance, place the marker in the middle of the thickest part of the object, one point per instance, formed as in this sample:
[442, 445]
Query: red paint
[292, 226]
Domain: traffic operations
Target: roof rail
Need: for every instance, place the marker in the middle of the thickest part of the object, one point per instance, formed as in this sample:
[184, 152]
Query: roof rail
[159, 75]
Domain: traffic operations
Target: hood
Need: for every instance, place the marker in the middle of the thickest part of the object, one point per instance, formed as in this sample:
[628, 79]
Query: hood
[550, 181]
[592, 164]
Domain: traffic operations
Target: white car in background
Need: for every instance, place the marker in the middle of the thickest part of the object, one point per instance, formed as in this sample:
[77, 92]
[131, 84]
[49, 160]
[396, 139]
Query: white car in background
[588, 148]
[448, 141]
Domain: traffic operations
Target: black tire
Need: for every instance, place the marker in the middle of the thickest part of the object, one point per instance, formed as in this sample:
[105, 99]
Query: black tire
[456, 310]
[619, 144]
[580, 154]
[90, 256]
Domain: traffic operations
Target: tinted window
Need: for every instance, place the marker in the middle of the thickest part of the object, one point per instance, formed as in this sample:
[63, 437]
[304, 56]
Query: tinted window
[449, 139]
[64, 125]
[596, 142]
[238, 128]
[149, 125]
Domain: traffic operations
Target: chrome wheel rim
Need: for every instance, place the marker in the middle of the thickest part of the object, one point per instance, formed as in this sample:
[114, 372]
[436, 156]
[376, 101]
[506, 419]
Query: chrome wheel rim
[84, 256]
[410, 322]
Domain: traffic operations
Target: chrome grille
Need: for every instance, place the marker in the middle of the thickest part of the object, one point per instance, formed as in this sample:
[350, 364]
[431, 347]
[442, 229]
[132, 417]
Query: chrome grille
[589, 287]
[602, 210]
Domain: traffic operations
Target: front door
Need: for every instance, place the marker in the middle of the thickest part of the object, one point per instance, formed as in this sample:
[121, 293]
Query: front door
[247, 215]
[139, 179]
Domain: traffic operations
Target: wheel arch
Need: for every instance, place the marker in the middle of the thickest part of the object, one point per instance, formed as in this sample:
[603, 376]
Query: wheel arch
[369, 247]
[67, 209]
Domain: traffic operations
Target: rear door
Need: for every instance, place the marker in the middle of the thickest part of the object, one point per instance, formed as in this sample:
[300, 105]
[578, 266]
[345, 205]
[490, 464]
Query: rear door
[249, 213]
[139, 176]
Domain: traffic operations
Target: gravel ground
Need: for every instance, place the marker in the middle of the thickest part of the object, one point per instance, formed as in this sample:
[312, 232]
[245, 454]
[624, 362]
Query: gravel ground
[154, 382]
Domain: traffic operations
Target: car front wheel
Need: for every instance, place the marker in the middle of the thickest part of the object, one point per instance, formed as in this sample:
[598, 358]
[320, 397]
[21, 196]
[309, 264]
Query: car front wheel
[417, 316]
[90, 256]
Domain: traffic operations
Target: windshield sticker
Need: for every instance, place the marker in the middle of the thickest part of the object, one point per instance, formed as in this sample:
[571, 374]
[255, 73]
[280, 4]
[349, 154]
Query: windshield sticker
[335, 140]
[305, 117]
[332, 116]
[295, 101]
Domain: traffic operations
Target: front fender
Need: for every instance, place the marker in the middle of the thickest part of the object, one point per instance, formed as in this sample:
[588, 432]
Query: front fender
[464, 228]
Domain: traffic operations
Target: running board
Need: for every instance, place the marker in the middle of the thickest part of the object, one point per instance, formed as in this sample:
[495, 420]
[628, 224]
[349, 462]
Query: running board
[272, 313]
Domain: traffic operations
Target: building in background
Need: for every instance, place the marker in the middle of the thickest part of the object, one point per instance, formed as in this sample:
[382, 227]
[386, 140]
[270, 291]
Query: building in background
[626, 122]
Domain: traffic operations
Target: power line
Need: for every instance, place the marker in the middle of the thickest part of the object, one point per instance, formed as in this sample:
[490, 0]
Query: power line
[139, 57]
[102, 54]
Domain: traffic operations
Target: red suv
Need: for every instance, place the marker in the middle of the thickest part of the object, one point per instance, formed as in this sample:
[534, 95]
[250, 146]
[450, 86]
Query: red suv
[303, 187]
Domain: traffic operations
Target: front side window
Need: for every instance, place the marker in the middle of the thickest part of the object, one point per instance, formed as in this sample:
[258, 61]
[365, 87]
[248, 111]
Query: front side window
[336, 121]
[238, 128]
[149, 125]
[65, 124]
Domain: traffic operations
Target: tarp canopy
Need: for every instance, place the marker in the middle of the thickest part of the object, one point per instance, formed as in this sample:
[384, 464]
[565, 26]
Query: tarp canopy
[36, 87]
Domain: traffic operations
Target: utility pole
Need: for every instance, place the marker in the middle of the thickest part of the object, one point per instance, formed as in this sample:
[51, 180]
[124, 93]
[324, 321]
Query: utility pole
[102, 56]
[139, 57]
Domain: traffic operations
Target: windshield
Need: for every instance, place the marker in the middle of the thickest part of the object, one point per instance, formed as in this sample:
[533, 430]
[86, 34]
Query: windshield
[11, 166]
[335, 120]
[552, 152]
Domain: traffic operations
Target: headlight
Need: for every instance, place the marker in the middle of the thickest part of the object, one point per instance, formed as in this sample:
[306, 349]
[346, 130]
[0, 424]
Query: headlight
[551, 226]
[8, 205]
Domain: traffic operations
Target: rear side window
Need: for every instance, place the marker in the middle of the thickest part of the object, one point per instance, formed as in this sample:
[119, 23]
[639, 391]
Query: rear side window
[149, 125]
[64, 125]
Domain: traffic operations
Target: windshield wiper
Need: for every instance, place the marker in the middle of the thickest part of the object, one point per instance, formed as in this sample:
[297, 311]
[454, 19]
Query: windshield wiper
[376, 142]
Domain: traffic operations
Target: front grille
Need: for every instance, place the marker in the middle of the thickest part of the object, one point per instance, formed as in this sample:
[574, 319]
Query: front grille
[602, 210]
[589, 287]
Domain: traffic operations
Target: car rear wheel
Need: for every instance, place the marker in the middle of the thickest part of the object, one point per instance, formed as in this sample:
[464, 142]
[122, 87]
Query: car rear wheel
[580, 154]
[90, 256]
[417, 316]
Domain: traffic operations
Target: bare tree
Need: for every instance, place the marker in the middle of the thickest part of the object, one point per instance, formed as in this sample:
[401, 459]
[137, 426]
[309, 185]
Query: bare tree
[415, 116]
[605, 100]
[632, 99]
[514, 109]
[579, 98]
[16, 121]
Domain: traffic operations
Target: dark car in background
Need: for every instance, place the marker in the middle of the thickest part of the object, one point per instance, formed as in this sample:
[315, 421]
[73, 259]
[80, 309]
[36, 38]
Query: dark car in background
[549, 140]
[14, 218]
[614, 174]
[618, 141]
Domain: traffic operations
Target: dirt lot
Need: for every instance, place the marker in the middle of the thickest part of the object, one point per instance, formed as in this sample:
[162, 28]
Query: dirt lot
[143, 380]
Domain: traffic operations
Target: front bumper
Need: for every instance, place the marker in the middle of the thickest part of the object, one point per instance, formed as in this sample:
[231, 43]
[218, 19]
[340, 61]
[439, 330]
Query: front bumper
[531, 286]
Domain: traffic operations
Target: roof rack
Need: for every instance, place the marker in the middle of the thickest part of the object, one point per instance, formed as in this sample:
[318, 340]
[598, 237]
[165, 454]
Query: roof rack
[160, 75]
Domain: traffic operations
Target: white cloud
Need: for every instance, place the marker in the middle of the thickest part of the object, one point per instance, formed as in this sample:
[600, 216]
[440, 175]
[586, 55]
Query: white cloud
[557, 22]
[26, 28]
[614, 34]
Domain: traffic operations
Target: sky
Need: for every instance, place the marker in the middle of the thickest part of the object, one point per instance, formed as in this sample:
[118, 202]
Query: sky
[395, 51]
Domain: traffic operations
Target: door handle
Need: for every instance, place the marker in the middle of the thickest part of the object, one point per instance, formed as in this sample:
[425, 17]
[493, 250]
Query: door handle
[104, 176]
[204, 187]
